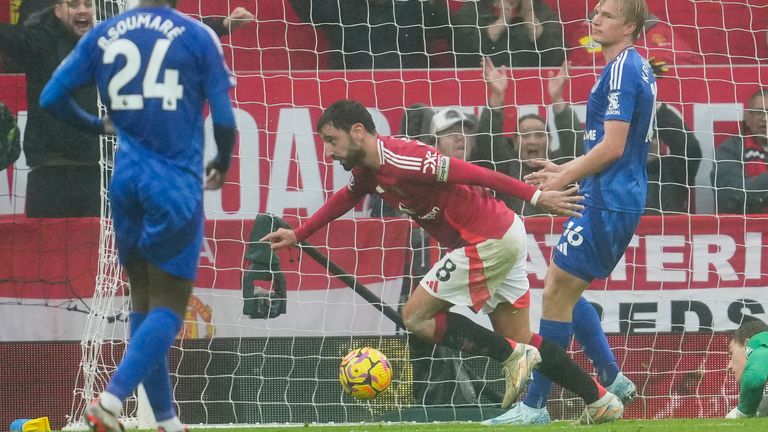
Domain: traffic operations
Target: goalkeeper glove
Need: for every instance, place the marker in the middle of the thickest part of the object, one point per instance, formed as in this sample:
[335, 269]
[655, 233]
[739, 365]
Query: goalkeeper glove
[659, 67]
[735, 413]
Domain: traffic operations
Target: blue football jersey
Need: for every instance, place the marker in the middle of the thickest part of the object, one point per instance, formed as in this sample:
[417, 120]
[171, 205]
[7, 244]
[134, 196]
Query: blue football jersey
[154, 68]
[625, 91]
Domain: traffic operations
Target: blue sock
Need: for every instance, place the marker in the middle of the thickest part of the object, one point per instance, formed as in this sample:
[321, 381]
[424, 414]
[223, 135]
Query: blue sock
[589, 332]
[539, 389]
[148, 350]
[158, 382]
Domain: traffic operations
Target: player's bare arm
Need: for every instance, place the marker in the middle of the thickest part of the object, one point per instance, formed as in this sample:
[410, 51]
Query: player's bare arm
[610, 149]
[281, 238]
[564, 203]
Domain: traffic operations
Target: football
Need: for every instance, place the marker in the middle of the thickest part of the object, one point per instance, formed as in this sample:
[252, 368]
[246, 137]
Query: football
[365, 373]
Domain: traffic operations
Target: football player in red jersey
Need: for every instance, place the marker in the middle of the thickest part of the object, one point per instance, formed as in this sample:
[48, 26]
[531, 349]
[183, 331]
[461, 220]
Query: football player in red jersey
[485, 268]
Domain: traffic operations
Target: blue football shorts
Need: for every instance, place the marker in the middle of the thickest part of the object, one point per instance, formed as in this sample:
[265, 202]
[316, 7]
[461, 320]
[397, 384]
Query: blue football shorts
[593, 244]
[157, 209]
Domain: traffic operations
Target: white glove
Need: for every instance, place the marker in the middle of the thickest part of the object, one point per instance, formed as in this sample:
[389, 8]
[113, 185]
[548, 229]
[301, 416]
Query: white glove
[735, 413]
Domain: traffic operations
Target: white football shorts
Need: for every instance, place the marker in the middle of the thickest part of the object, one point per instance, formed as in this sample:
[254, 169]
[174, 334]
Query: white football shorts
[485, 274]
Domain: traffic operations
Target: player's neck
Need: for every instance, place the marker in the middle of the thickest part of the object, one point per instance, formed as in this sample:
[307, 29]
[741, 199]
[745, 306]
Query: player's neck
[613, 51]
[372, 159]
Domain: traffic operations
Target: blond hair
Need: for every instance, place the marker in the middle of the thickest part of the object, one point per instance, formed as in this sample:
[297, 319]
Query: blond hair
[634, 11]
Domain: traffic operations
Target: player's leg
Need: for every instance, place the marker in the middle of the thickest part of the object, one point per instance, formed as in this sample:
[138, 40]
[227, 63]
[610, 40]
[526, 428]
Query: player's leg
[467, 277]
[510, 317]
[589, 332]
[170, 227]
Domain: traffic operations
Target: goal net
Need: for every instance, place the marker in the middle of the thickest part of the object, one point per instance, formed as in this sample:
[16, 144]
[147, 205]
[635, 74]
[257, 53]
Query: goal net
[687, 279]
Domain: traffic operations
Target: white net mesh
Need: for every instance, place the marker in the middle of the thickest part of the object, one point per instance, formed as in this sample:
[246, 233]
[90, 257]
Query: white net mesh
[687, 278]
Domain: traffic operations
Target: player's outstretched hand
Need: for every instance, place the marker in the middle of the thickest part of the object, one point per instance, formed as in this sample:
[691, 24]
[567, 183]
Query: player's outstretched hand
[238, 17]
[564, 203]
[214, 179]
[280, 238]
[546, 170]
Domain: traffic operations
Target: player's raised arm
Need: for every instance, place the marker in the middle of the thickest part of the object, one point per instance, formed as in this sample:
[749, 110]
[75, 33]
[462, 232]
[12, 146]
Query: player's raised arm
[558, 202]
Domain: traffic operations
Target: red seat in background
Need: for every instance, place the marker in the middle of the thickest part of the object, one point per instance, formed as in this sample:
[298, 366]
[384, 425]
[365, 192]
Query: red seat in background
[725, 32]
[279, 40]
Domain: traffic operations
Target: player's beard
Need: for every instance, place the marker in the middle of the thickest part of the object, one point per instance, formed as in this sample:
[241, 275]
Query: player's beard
[354, 158]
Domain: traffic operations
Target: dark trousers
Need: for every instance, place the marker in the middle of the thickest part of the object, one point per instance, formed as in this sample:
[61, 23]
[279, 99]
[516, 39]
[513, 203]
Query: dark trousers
[64, 191]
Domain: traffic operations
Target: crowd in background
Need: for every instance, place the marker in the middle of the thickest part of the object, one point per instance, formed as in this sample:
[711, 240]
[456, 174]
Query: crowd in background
[388, 34]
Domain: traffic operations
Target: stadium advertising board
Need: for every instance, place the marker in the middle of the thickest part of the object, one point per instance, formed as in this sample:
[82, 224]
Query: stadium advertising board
[680, 273]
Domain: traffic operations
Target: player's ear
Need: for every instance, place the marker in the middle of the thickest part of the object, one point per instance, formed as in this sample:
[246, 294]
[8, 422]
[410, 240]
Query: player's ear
[357, 131]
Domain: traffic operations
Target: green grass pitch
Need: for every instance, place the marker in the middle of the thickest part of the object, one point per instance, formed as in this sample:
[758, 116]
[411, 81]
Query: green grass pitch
[676, 425]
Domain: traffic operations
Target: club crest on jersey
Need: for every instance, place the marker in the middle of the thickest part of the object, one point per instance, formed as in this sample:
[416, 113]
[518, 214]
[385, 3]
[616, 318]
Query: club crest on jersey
[429, 163]
[613, 103]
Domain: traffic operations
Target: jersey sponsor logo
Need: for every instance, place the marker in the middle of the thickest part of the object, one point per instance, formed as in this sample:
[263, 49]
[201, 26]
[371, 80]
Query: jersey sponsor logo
[431, 215]
[429, 164]
[573, 238]
[442, 168]
[613, 103]
[590, 135]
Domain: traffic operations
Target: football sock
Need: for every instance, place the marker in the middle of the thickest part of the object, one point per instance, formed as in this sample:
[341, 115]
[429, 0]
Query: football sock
[147, 350]
[540, 387]
[459, 332]
[157, 383]
[589, 332]
[560, 368]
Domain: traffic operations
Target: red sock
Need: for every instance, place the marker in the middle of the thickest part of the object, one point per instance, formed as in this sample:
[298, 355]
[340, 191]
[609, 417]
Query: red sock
[601, 391]
[536, 340]
[512, 343]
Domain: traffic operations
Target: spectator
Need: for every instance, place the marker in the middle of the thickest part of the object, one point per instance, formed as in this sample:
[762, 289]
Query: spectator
[657, 41]
[673, 161]
[65, 176]
[375, 34]
[10, 148]
[673, 157]
[513, 157]
[516, 33]
[741, 172]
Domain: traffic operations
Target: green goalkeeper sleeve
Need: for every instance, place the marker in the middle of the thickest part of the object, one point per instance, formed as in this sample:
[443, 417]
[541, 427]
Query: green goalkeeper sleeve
[755, 374]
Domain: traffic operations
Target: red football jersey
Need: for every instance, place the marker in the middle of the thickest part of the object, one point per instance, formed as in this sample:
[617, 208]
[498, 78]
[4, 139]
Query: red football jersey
[413, 178]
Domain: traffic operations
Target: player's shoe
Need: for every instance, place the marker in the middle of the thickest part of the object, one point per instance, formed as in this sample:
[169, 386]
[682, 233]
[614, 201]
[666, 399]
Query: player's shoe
[520, 414]
[99, 419]
[623, 388]
[517, 369]
[184, 428]
[606, 409]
